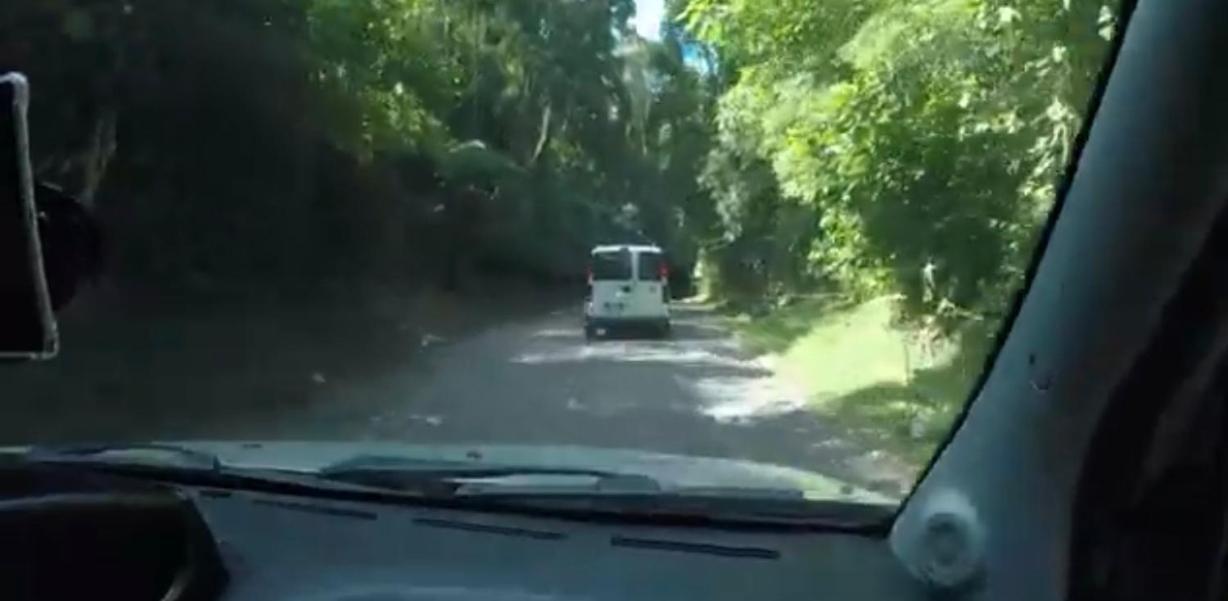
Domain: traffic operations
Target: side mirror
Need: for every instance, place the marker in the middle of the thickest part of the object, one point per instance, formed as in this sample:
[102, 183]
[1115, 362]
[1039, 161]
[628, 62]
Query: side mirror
[27, 323]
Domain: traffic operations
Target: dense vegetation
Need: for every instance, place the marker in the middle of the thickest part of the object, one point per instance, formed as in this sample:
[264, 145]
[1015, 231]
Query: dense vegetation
[292, 142]
[860, 146]
[891, 146]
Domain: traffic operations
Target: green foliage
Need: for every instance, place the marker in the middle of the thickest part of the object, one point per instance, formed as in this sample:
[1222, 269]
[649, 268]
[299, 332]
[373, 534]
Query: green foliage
[898, 149]
[301, 140]
[874, 146]
[925, 138]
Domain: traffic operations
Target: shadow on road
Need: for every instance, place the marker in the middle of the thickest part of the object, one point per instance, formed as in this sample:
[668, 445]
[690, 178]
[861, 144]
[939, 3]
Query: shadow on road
[166, 368]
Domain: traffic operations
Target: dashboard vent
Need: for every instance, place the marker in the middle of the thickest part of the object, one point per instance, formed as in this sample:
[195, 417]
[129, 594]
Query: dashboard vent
[701, 548]
[489, 529]
[320, 509]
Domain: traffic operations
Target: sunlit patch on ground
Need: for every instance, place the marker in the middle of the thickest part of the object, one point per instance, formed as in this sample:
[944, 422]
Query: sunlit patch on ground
[629, 352]
[741, 400]
[558, 333]
[868, 376]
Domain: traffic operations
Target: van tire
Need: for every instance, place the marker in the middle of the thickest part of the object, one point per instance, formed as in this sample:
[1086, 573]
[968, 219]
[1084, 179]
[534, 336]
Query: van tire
[590, 332]
[664, 330]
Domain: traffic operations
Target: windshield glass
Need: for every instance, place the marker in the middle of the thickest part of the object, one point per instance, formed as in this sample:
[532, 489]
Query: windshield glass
[374, 222]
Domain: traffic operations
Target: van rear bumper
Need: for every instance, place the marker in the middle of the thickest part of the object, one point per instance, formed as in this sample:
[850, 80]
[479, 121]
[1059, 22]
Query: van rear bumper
[656, 321]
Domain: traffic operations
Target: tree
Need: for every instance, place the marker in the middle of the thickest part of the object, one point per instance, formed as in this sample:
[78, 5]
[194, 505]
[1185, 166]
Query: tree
[281, 143]
[878, 141]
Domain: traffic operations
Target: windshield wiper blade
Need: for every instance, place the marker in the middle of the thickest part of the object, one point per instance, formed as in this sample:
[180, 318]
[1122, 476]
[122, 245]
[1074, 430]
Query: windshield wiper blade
[152, 454]
[473, 479]
[183, 465]
[583, 493]
[414, 478]
[385, 463]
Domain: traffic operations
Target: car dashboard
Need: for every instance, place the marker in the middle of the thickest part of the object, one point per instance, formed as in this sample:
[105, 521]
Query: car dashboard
[247, 545]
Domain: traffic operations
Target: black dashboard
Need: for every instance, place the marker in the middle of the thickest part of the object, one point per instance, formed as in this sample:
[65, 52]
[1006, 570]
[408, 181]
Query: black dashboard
[209, 543]
[279, 548]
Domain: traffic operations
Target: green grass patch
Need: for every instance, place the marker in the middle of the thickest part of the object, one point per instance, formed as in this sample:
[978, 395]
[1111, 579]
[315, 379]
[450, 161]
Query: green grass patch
[876, 380]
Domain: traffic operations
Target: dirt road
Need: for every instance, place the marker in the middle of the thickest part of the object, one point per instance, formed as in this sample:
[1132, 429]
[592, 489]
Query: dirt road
[539, 382]
[524, 381]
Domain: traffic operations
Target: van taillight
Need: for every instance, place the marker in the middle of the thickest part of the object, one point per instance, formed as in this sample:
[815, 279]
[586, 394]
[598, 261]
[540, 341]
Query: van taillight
[663, 271]
[588, 274]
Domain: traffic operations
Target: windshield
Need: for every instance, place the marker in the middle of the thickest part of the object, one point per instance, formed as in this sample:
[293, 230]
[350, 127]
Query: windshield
[374, 222]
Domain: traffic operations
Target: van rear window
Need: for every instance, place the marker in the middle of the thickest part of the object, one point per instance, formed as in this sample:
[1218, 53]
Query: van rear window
[649, 267]
[612, 265]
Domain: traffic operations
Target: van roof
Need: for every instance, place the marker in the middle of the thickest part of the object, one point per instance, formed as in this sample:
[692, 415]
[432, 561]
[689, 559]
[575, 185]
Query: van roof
[636, 248]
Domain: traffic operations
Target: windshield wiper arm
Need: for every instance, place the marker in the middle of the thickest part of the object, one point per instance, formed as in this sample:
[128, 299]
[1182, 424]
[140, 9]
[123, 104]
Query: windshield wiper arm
[153, 454]
[469, 479]
[435, 479]
[386, 463]
[184, 465]
[580, 492]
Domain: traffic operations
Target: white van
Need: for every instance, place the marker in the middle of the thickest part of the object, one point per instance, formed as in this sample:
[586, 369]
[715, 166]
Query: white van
[628, 286]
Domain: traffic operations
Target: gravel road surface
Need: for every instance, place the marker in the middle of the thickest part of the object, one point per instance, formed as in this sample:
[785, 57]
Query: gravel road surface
[526, 380]
[538, 381]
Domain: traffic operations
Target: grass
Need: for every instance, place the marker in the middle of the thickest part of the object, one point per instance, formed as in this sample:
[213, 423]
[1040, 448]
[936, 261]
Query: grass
[871, 377]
